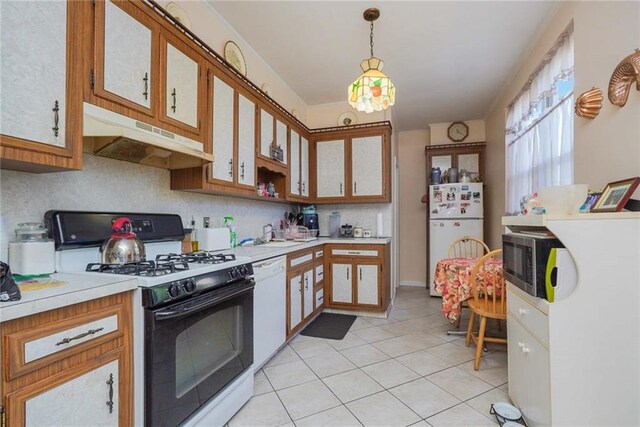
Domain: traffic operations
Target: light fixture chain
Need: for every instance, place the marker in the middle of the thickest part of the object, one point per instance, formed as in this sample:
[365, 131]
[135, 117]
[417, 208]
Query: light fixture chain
[371, 39]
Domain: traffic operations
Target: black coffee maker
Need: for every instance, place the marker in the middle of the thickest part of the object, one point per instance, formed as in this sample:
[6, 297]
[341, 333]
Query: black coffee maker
[310, 217]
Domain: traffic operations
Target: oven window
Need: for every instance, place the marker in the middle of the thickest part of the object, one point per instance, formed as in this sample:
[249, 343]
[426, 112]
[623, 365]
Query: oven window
[208, 346]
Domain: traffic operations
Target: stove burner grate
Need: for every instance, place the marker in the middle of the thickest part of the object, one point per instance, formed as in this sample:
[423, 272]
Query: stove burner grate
[141, 268]
[197, 258]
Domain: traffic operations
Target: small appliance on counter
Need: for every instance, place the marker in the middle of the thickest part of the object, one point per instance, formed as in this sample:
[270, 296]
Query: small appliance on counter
[32, 252]
[346, 231]
[213, 238]
[9, 290]
[366, 232]
[357, 232]
[310, 217]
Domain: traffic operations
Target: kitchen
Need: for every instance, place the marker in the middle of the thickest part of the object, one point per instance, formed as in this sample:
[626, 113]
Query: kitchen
[109, 185]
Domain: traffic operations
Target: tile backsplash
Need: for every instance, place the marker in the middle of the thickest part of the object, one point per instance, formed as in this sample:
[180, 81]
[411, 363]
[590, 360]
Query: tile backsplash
[112, 185]
[361, 215]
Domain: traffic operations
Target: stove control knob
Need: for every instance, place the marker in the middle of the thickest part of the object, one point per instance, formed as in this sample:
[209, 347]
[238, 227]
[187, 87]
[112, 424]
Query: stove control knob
[244, 270]
[233, 272]
[190, 285]
[174, 290]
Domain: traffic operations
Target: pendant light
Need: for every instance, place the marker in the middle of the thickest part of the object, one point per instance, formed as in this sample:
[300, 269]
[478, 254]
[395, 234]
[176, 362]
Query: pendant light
[372, 91]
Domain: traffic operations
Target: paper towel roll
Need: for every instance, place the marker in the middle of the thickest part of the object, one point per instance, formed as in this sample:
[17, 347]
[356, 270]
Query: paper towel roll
[379, 230]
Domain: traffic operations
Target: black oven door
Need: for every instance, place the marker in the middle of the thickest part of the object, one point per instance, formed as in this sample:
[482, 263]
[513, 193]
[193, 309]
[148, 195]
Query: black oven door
[194, 348]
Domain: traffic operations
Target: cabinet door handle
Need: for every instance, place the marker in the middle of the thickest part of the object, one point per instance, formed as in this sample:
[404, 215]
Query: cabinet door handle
[77, 337]
[146, 86]
[355, 187]
[298, 186]
[242, 170]
[173, 94]
[300, 287]
[306, 283]
[340, 188]
[56, 118]
[347, 274]
[110, 401]
[360, 273]
[231, 167]
[303, 186]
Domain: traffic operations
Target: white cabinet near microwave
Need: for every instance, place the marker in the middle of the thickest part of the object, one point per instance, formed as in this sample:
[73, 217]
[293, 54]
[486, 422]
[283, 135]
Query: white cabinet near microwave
[127, 57]
[34, 73]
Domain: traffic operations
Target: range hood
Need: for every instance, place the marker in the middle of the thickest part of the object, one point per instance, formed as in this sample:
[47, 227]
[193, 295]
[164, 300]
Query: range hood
[119, 137]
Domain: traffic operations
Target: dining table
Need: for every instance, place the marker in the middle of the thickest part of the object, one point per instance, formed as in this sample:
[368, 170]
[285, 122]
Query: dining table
[453, 280]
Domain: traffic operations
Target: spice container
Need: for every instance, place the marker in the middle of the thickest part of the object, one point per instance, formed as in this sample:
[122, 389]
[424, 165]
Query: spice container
[32, 252]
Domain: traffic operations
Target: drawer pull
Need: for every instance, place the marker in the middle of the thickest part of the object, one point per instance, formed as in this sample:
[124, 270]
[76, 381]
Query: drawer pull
[110, 401]
[354, 253]
[77, 337]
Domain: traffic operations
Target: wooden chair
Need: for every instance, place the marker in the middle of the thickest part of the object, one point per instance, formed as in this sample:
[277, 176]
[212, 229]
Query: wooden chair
[467, 247]
[486, 306]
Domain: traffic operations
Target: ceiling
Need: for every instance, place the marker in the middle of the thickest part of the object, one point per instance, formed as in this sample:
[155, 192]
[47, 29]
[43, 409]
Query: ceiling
[447, 59]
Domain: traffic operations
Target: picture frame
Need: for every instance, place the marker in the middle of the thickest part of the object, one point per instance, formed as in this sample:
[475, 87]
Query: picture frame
[615, 195]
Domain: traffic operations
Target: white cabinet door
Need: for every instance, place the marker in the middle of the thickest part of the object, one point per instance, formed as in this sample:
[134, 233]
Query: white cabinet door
[341, 283]
[330, 168]
[266, 133]
[182, 87]
[33, 78]
[222, 130]
[281, 138]
[367, 280]
[83, 401]
[127, 56]
[304, 166]
[295, 297]
[294, 166]
[246, 141]
[366, 163]
[308, 293]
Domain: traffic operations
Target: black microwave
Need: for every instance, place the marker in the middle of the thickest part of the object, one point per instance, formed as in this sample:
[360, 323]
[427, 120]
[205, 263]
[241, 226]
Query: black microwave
[525, 260]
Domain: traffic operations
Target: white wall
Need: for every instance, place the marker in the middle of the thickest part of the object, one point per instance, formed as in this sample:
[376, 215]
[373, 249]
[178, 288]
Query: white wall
[438, 132]
[117, 186]
[326, 115]
[607, 148]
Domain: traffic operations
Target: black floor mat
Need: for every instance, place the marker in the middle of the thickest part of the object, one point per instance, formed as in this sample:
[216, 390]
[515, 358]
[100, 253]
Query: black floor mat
[329, 325]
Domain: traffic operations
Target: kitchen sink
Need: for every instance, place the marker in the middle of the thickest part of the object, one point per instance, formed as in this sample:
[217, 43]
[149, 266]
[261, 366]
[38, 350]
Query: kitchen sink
[281, 244]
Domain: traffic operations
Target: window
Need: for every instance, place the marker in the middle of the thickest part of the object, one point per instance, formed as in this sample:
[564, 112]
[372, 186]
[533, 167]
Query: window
[539, 128]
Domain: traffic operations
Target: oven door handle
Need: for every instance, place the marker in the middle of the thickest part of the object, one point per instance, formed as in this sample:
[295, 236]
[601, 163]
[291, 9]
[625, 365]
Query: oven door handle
[216, 297]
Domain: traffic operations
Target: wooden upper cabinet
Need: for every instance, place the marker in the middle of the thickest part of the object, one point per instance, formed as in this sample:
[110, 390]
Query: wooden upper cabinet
[223, 136]
[367, 163]
[246, 141]
[281, 138]
[266, 133]
[295, 181]
[469, 157]
[330, 169]
[304, 167]
[182, 83]
[125, 72]
[41, 96]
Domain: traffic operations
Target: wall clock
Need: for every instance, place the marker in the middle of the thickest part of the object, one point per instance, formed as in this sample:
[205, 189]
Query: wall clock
[458, 131]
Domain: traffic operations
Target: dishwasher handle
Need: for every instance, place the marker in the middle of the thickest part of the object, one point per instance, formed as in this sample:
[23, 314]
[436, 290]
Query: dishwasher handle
[269, 268]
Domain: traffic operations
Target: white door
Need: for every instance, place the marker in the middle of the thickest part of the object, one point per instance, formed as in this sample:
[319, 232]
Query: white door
[281, 138]
[330, 168]
[182, 87]
[294, 166]
[442, 232]
[341, 283]
[79, 402]
[33, 78]
[366, 163]
[308, 293]
[127, 56]
[266, 133]
[295, 296]
[304, 166]
[222, 130]
[246, 141]
[367, 280]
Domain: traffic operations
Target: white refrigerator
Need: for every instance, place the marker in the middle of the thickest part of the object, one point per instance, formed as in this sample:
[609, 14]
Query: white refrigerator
[455, 211]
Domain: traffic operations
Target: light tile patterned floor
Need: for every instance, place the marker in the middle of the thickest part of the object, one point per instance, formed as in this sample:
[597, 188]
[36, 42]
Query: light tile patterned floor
[400, 371]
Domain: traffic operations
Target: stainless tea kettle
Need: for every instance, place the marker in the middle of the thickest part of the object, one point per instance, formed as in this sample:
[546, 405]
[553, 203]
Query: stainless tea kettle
[123, 246]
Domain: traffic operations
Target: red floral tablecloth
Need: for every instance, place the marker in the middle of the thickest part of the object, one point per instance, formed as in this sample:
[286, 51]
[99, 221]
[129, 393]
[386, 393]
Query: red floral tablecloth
[453, 281]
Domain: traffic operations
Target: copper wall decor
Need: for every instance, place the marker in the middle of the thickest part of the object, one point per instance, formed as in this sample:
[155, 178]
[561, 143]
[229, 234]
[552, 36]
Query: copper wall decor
[627, 71]
[588, 104]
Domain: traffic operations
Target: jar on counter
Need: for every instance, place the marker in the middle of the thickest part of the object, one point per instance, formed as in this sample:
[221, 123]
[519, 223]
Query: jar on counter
[32, 252]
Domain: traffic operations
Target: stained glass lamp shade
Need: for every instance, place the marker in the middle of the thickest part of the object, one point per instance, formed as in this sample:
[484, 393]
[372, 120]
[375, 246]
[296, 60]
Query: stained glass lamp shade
[372, 91]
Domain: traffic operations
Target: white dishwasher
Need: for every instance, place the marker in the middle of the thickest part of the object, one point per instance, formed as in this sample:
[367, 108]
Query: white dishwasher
[269, 309]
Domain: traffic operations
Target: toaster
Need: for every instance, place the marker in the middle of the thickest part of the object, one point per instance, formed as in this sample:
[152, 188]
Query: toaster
[346, 230]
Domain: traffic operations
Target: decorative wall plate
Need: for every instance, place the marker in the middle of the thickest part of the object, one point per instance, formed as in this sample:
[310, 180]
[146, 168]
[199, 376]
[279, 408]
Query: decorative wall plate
[347, 118]
[180, 15]
[233, 55]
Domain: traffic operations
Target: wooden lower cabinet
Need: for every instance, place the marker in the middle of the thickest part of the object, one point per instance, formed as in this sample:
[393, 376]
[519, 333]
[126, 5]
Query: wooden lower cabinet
[70, 366]
[302, 268]
[358, 276]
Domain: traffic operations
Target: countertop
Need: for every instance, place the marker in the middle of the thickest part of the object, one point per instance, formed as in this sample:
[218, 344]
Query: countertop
[262, 252]
[77, 288]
